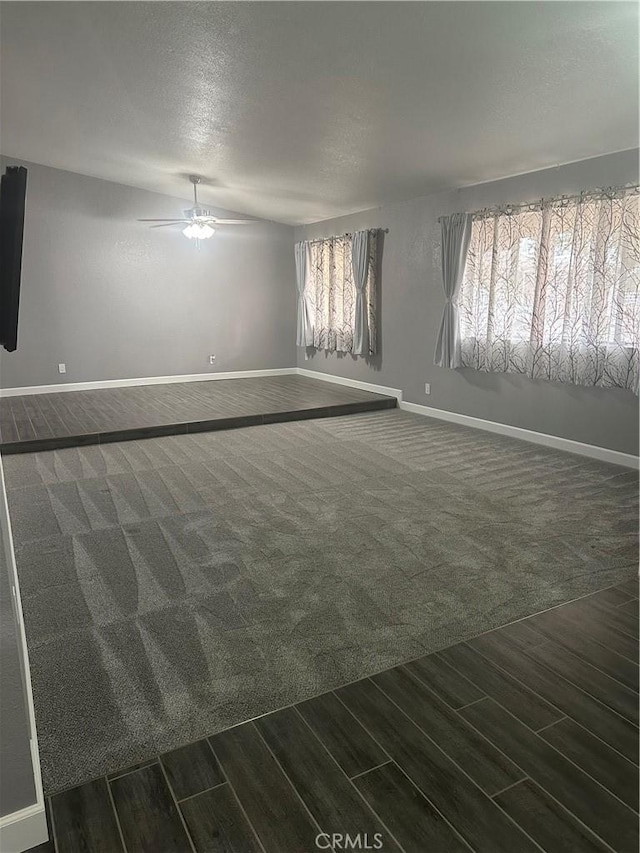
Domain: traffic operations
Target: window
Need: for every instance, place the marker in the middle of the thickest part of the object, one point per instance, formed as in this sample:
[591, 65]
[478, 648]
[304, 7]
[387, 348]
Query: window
[553, 291]
[331, 294]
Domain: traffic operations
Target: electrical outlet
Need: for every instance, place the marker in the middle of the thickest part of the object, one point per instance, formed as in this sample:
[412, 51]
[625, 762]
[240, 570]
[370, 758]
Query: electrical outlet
[427, 387]
[62, 368]
[212, 359]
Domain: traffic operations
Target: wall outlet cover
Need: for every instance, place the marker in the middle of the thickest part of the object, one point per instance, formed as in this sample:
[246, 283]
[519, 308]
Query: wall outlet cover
[62, 368]
[212, 359]
[427, 387]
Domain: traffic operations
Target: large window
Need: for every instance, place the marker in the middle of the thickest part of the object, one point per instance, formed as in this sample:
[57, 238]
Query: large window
[331, 294]
[553, 291]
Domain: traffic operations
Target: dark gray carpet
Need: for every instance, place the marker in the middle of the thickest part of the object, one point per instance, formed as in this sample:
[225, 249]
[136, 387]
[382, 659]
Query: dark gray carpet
[176, 586]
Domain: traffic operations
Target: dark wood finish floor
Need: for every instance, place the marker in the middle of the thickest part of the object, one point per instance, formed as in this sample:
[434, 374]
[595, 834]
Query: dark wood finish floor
[49, 421]
[522, 739]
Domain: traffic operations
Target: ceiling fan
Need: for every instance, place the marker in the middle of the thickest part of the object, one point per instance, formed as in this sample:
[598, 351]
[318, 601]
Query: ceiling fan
[200, 222]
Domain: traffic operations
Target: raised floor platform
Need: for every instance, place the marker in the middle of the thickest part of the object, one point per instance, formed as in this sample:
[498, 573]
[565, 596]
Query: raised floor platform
[37, 422]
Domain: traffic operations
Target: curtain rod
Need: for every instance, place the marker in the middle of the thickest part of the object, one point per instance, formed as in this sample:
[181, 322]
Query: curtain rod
[605, 192]
[347, 234]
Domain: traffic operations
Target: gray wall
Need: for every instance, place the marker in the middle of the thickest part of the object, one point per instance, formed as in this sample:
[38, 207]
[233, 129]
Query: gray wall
[114, 299]
[412, 302]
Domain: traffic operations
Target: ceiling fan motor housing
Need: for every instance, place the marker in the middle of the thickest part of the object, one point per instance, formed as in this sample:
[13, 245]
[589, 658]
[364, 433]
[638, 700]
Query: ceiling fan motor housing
[201, 222]
[197, 213]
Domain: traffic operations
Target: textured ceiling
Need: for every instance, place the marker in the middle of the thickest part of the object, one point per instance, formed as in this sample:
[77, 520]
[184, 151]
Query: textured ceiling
[303, 111]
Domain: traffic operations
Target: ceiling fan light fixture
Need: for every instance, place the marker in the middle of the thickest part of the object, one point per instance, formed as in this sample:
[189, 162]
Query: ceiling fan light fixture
[198, 231]
[200, 221]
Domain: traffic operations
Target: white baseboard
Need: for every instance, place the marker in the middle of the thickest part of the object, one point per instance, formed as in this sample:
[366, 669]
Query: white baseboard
[23, 830]
[604, 454]
[352, 383]
[28, 827]
[147, 380]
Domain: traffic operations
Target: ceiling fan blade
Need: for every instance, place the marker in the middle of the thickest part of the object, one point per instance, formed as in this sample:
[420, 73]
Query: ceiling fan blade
[164, 220]
[169, 224]
[235, 221]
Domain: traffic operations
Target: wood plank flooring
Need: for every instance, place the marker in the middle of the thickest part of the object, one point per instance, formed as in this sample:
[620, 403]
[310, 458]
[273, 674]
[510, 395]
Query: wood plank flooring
[49, 421]
[522, 739]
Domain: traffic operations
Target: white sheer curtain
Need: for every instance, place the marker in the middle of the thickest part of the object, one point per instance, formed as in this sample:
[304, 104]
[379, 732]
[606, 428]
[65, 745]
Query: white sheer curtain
[553, 291]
